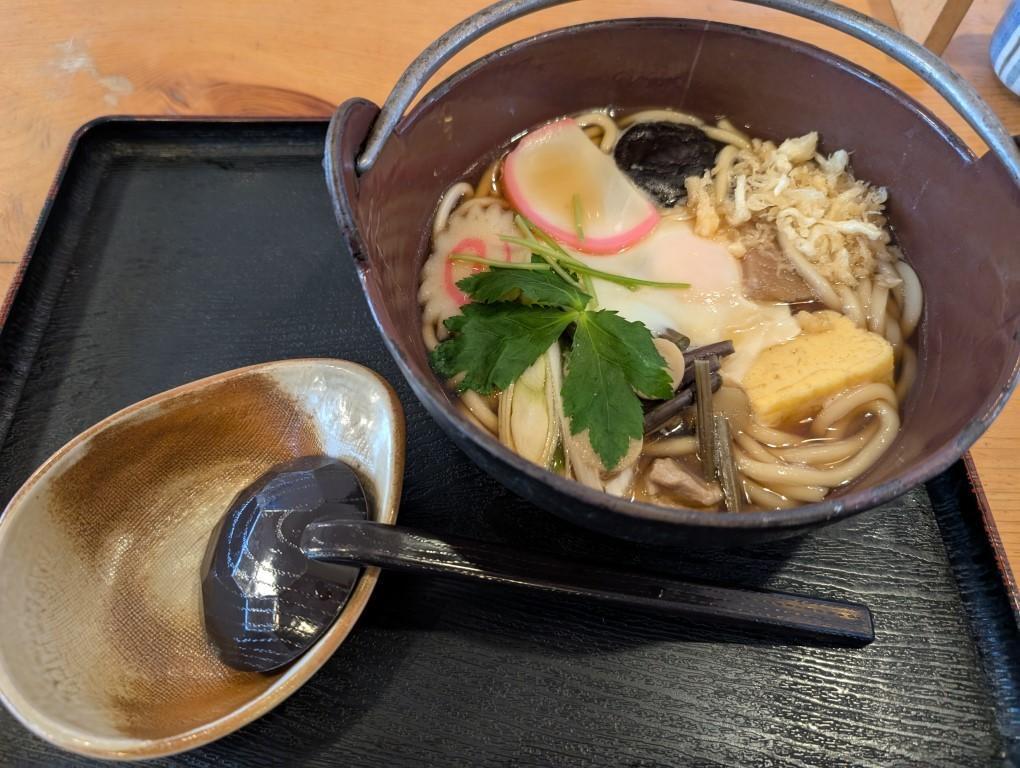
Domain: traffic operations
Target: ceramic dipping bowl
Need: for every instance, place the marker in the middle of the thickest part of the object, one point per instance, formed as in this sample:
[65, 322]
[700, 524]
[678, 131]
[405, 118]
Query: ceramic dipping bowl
[103, 651]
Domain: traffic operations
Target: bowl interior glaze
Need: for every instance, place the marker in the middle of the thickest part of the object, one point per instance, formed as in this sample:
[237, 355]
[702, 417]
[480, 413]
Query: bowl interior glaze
[955, 216]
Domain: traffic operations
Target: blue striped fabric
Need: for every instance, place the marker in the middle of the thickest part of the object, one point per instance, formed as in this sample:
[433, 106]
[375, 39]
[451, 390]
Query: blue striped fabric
[1005, 50]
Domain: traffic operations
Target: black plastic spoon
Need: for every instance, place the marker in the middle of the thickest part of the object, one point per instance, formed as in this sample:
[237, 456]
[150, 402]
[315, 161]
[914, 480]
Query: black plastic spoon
[283, 561]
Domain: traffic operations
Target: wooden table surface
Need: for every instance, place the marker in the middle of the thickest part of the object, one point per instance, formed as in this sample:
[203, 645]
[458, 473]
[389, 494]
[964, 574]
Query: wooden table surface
[65, 63]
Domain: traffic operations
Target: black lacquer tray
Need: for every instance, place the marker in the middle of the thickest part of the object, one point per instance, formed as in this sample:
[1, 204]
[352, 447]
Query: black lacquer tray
[172, 250]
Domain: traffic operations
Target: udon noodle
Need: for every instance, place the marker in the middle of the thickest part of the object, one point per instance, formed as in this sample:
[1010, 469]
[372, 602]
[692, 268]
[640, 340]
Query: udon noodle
[827, 247]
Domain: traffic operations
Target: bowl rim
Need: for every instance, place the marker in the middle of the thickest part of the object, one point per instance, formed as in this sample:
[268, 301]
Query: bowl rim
[293, 677]
[828, 510]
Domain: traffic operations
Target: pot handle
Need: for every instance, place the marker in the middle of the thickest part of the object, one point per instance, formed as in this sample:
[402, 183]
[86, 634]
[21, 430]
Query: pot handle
[957, 91]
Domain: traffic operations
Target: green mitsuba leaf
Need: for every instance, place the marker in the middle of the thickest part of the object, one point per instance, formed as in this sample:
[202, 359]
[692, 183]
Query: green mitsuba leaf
[493, 344]
[543, 288]
[628, 345]
[609, 359]
[516, 315]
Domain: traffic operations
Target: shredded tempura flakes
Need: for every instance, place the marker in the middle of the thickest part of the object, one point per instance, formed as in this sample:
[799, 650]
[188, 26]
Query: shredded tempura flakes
[833, 220]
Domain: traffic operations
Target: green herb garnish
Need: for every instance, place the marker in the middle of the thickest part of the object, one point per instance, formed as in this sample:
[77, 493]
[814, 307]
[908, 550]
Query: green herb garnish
[493, 344]
[530, 229]
[578, 216]
[553, 254]
[609, 359]
[516, 316]
[549, 255]
[519, 310]
[470, 258]
[545, 288]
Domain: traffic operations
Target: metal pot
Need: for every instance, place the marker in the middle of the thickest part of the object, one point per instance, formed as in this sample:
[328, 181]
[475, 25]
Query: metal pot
[956, 215]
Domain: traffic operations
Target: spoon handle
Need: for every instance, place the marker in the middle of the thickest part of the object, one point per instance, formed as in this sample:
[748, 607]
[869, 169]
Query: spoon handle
[403, 549]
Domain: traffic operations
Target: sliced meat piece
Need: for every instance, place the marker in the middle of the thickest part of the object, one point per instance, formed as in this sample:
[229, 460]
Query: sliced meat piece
[768, 276]
[668, 476]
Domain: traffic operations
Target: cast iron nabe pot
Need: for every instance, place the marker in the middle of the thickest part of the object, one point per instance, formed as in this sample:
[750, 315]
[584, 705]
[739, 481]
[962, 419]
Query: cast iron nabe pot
[957, 216]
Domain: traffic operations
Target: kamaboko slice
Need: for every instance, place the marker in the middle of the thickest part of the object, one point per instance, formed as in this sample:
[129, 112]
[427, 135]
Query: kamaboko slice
[575, 192]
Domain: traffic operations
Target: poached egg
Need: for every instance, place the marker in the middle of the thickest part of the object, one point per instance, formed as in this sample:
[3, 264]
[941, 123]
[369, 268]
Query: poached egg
[714, 308]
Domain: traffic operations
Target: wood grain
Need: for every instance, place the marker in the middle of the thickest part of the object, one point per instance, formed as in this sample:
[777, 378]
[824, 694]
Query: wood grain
[932, 22]
[66, 63]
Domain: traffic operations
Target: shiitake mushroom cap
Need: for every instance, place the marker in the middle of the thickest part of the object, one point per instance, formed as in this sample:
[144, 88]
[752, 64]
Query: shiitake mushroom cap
[659, 156]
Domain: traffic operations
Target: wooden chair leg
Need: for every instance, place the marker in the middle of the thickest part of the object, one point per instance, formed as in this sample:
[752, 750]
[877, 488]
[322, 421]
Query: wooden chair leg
[932, 22]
